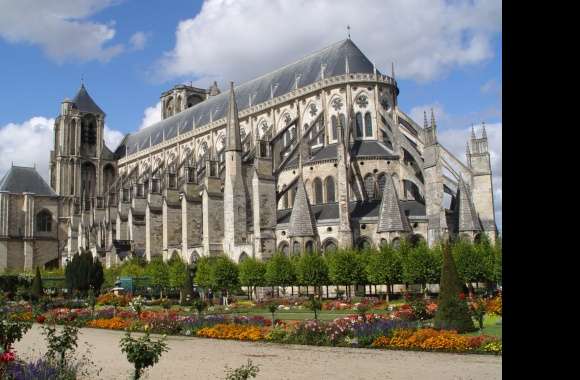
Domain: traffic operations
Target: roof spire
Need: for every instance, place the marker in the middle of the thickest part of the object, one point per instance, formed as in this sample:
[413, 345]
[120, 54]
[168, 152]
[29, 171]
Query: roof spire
[483, 133]
[393, 70]
[348, 31]
[472, 132]
[233, 138]
[391, 218]
[433, 118]
[302, 222]
[425, 124]
[467, 151]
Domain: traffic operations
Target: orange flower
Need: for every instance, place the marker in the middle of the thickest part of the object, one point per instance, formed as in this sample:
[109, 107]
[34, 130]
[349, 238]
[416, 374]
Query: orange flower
[114, 323]
[234, 331]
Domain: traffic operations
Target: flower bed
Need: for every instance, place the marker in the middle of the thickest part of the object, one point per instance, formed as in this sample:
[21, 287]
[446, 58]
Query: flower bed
[233, 331]
[434, 340]
[115, 323]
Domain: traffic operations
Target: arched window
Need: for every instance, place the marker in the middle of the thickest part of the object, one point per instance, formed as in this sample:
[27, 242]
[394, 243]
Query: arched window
[44, 221]
[381, 182]
[334, 122]
[364, 244]
[396, 243]
[330, 245]
[359, 125]
[309, 246]
[317, 191]
[243, 256]
[291, 196]
[285, 249]
[330, 190]
[296, 248]
[369, 182]
[368, 125]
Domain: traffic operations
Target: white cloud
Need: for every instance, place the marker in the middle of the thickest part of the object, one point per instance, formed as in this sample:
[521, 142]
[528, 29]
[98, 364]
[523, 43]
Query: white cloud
[138, 40]
[112, 138]
[238, 40]
[455, 140]
[61, 28]
[31, 142]
[151, 115]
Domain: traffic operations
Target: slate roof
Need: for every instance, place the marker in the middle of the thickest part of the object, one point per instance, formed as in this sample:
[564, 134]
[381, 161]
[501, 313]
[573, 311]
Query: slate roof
[302, 221]
[21, 179]
[84, 103]
[363, 148]
[282, 81]
[391, 218]
[357, 210]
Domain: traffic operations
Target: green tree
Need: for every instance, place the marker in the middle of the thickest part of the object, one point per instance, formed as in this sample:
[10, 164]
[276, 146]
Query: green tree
[420, 265]
[452, 310]
[178, 273]
[252, 273]
[158, 273]
[385, 267]
[132, 268]
[280, 271]
[312, 270]
[36, 287]
[203, 271]
[224, 275]
[97, 275]
[346, 267]
[497, 265]
[80, 271]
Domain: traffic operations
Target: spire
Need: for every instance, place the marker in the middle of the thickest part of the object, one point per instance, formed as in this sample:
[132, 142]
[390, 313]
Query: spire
[472, 132]
[214, 89]
[348, 31]
[483, 133]
[302, 223]
[391, 218]
[233, 139]
[425, 124]
[467, 152]
[85, 103]
[433, 118]
[393, 70]
[468, 219]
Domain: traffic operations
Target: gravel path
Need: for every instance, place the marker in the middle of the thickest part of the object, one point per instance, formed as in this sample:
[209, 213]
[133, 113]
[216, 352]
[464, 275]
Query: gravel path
[199, 358]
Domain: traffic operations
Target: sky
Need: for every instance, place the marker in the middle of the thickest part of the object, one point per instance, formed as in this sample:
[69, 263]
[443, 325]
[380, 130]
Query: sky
[446, 53]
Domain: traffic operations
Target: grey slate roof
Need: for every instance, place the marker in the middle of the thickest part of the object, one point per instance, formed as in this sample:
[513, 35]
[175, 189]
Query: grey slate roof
[357, 210]
[391, 218]
[282, 81]
[23, 179]
[468, 219]
[363, 148]
[84, 103]
[302, 222]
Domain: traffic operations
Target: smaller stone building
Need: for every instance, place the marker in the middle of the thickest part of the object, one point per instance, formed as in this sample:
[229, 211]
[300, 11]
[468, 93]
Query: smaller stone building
[29, 233]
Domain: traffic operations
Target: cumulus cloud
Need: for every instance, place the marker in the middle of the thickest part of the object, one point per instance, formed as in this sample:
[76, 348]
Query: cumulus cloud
[30, 143]
[238, 40]
[138, 40]
[151, 115]
[455, 139]
[62, 28]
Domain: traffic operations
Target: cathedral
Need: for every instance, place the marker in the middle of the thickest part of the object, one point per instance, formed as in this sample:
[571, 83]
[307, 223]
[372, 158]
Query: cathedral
[313, 156]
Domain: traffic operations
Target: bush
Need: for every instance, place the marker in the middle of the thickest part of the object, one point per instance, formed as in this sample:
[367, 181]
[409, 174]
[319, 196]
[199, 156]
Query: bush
[142, 352]
[60, 345]
[452, 310]
[242, 373]
[36, 287]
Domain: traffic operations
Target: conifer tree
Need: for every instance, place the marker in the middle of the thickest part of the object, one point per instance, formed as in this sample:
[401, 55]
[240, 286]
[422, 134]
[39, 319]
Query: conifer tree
[452, 311]
[36, 287]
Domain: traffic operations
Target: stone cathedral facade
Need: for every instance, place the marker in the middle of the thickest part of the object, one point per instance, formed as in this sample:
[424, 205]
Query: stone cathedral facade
[313, 156]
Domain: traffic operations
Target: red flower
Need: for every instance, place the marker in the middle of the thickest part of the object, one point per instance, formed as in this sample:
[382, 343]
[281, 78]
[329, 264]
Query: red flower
[40, 319]
[462, 296]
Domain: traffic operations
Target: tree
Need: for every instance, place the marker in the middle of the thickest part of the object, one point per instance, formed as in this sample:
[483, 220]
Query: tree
[158, 273]
[280, 271]
[203, 271]
[132, 268]
[178, 274]
[346, 267]
[97, 276]
[420, 265]
[252, 273]
[312, 270]
[385, 267]
[452, 310]
[82, 272]
[224, 274]
[36, 287]
[497, 266]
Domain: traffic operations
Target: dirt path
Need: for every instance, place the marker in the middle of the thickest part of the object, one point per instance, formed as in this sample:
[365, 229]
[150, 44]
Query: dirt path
[198, 358]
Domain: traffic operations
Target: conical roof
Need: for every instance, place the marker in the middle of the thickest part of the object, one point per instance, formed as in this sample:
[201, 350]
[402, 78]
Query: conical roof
[468, 219]
[391, 218]
[302, 222]
[25, 180]
[84, 103]
[233, 139]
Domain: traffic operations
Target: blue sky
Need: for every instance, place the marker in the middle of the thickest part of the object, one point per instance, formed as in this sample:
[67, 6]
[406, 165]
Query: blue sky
[447, 56]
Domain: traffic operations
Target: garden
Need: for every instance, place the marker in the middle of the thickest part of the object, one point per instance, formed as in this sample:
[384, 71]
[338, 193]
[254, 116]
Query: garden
[250, 301]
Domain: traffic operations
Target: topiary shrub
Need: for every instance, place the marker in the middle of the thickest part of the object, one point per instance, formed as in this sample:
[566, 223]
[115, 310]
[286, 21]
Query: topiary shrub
[452, 311]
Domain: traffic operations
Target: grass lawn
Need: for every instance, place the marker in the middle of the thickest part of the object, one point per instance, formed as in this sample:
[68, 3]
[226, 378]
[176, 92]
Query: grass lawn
[491, 326]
